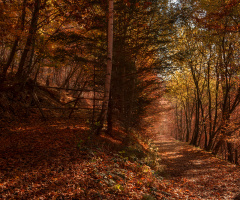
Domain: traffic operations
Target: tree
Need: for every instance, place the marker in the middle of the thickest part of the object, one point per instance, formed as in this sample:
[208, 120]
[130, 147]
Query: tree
[142, 29]
[16, 42]
[209, 51]
[107, 88]
[30, 38]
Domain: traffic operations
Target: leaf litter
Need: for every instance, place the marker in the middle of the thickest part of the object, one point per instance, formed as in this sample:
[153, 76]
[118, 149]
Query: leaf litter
[60, 161]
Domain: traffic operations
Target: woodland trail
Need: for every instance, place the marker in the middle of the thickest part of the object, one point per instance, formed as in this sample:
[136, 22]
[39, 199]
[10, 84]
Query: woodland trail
[191, 173]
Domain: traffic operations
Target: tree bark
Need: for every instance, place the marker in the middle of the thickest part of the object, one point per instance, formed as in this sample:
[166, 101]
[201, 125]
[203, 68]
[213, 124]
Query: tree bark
[110, 117]
[196, 128]
[15, 44]
[230, 152]
[103, 114]
[30, 38]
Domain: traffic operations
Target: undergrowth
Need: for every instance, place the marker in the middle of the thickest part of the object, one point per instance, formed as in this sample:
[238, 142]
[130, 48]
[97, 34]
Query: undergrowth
[129, 160]
[133, 150]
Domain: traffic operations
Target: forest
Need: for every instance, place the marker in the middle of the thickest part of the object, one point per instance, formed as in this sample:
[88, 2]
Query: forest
[97, 96]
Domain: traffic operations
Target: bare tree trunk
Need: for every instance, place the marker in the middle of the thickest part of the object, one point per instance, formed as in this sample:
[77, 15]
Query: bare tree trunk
[178, 128]
[30, 38]
[230, 152]
[15, 45]
[110, 117]
[196, 128]
[69, 76]
[214, 132]
[103, 114]
[236, 157]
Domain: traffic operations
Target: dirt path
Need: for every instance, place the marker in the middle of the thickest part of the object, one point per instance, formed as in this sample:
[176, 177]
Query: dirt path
[195, 174]
[191, 173]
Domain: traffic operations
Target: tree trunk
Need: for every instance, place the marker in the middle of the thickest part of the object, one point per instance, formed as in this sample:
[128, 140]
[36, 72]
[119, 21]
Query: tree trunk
[109, 117]
[15, 45]
[30, 38]
[104, 110]
[230, 152]
[217, 147]
[223, 135]
[236, 157]
[198, 104]
[196, 129]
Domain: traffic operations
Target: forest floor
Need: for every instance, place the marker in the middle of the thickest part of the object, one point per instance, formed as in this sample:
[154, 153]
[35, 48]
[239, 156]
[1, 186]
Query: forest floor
[62, 160]
[191, 173]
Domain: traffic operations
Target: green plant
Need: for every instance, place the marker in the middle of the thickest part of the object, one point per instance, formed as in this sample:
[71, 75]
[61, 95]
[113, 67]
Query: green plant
[80, 144]
[152, 159]
[148, 197]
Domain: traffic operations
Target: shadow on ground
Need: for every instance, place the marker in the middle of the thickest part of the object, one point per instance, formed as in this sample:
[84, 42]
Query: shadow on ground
[196, 171]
